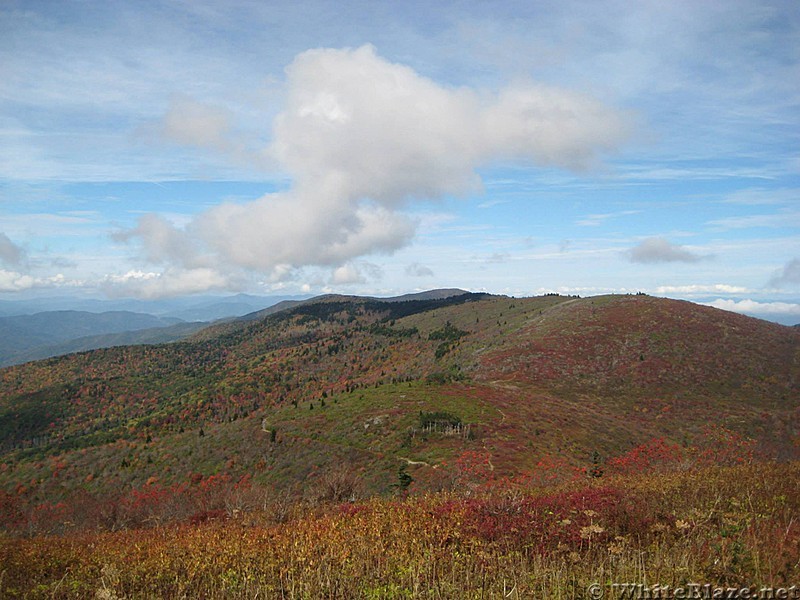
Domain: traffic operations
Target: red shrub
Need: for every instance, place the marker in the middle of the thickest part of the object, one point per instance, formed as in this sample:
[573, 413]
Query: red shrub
[657, 454]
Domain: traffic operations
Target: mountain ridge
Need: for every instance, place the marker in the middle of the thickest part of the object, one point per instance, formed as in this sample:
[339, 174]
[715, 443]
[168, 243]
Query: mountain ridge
[28, 333]
[436, 294]
[320, 385]
[21, 334]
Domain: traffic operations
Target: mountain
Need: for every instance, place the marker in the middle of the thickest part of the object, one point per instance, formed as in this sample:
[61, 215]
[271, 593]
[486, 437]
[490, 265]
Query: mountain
[152, 335]
[367, 385]
[188, 308]
[42, 334]
[642, 345]
[215, 308]
[23, 334]
[438, 294]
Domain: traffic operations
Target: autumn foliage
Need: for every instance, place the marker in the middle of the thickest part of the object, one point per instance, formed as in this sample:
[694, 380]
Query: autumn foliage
[472, 448]
[669, 527]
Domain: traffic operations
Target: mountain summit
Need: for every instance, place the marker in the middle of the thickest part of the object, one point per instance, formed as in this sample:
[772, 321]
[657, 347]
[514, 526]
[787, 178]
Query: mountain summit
[368, 384]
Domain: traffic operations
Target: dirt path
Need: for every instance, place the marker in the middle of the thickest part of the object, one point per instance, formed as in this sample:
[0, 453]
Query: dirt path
[417, 462]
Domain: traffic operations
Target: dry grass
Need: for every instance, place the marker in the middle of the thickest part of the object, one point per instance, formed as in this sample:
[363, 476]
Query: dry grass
[724, 526]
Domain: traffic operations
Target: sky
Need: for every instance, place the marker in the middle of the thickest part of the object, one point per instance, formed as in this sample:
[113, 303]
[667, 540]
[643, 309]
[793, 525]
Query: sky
[162, 148]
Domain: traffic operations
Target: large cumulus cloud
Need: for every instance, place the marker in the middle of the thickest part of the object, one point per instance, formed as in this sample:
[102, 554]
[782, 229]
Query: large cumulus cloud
[361, 139]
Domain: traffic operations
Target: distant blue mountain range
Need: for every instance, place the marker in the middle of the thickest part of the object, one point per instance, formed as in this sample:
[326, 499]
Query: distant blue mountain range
[38, 328]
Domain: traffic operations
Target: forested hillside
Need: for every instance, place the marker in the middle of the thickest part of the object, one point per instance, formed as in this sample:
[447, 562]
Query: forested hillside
[493, 412]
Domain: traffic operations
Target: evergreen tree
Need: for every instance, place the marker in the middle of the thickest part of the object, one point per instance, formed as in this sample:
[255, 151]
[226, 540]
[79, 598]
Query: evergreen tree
[596, 470]
[404, 480]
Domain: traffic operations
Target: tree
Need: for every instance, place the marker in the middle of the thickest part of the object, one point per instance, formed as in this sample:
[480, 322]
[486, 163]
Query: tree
[404, 479]
[596, 471]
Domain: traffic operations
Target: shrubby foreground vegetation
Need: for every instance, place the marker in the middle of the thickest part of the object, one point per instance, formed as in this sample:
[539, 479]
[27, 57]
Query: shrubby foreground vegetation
[733, 526]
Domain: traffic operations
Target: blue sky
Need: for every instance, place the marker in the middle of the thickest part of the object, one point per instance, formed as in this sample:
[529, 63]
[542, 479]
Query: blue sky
[162, 148]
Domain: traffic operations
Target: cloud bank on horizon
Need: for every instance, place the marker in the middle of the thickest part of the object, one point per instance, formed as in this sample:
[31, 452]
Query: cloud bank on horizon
[175, 148]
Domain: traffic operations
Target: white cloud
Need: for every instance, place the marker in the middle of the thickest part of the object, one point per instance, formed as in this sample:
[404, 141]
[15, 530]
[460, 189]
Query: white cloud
[171, 282]
[195, 124]
[382, 131]
[161, 241]
[661, 250]
[593, 220]
[191, 123]
[789, 275]
[12, 281]
[763, 196]
[355, 273]
[784, 218]
[362, 138]
[754, 307]
[492, 203]
[715, 288]
[132, 276]
[582, 290]
[294, 229]
[347, 274]
[598, 219]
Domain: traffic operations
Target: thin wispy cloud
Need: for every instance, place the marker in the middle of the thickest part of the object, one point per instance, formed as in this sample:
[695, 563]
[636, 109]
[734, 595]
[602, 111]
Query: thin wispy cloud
[192, 123]
[492, 203]
[764, 196]
[779, 219]
[195, 124]
[419, 270]
[599, 219]
[497, 257]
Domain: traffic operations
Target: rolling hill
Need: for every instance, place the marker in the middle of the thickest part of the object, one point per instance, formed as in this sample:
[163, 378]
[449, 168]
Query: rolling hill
[366, 385]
